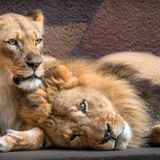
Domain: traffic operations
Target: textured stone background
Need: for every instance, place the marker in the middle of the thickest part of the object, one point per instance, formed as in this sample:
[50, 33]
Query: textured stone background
[94, 28]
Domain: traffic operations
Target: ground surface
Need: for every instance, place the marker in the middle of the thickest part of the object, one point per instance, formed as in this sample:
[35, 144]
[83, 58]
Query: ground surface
[51, 154]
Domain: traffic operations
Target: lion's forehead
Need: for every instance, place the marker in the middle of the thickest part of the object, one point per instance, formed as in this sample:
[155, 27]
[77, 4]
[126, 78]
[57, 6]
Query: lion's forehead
[69, 105]
[73, 97]
[13, 25]
[31, 34]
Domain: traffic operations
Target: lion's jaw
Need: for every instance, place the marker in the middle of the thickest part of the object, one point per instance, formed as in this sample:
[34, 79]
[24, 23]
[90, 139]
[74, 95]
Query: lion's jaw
[20, 47]
[124, 138]
[97, 127]
[30, 82]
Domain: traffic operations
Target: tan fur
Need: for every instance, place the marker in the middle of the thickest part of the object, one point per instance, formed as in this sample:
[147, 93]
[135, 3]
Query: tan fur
[111, 101]
[155, 135]
[19, 43]
[30, 139]
[54, 106]
[147, 64]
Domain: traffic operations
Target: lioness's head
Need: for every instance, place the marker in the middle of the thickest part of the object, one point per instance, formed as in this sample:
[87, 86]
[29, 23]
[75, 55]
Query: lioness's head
[85, 118]
[21, 43]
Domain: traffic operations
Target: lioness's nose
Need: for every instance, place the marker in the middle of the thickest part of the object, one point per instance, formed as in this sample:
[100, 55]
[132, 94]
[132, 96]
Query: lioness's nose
[33, 61]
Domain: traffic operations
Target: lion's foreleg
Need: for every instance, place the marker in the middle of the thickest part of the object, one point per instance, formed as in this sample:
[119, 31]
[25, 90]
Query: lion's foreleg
[14, 140]
[155, 134]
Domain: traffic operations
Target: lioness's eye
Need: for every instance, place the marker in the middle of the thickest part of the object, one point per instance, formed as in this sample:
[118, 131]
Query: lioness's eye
[12, 42]
[83, 106]
[38, 41]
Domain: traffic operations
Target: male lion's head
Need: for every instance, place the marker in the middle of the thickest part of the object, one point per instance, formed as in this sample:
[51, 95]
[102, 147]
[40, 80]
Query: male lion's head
[75, 116]
[20, 47]
[85, 118]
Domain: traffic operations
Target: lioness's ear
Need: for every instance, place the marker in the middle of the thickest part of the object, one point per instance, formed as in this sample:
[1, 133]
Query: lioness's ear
[38, 17]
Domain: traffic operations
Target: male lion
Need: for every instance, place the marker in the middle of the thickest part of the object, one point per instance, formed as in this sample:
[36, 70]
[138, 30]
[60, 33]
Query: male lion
[21, 65]
[110, 103]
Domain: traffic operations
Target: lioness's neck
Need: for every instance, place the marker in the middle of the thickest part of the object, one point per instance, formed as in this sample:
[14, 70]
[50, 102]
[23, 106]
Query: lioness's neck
[9, 101]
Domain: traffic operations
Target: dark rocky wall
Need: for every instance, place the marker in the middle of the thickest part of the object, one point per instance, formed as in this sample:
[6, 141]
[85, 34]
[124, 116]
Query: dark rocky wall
[94, 28]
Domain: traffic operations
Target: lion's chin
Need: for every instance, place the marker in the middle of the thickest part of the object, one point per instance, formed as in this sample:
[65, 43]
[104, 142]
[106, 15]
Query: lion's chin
[124, 138]
[30, 84]
[121, 142]
[27, 83]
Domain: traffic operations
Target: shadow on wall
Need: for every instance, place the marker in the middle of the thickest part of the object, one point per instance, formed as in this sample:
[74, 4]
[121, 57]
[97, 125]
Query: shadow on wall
[93, 28]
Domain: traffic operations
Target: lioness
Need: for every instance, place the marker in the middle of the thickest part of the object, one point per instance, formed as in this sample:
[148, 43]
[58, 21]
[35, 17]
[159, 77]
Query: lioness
[21, 46]
[110, 103]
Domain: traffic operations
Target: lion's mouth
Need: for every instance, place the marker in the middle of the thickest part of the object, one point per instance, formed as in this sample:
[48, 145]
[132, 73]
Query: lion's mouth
[110, 136]
[18, 79]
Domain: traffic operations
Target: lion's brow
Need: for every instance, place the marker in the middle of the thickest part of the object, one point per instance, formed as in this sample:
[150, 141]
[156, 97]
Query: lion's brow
[23, 26]
[19, 23]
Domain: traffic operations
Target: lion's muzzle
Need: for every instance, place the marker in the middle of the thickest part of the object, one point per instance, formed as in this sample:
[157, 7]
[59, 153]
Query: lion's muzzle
[33, 61]
[28, 75]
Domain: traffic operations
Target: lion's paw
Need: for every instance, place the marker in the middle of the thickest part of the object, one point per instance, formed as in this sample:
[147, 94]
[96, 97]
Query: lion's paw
[14, 133]
[6, 143]
[155, 134]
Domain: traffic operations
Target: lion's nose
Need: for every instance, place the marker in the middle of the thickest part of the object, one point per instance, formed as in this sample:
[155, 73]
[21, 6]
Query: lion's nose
[107, 134]
[33, 65]
[33, 61]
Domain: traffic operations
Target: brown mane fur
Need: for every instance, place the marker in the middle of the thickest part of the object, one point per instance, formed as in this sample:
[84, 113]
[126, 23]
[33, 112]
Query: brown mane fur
[123, 96]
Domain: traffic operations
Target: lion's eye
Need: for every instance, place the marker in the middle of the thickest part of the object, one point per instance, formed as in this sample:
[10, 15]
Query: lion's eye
[12, 42]
[38, 41]
[83, 106]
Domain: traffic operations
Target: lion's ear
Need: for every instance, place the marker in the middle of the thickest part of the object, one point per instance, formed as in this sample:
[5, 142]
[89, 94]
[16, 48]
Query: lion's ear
[61, 77]
[38, 17]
